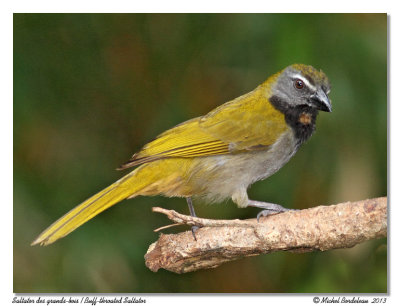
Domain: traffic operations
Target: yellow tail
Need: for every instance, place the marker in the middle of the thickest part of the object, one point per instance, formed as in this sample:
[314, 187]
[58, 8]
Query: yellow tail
[159, 177]
[106, 198]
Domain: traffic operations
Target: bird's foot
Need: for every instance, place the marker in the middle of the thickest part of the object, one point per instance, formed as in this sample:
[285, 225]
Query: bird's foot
[193, 214]
[267, 212]
[268, 208]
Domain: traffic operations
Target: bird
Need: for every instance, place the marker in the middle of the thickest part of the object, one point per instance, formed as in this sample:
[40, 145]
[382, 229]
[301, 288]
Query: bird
[219, 155]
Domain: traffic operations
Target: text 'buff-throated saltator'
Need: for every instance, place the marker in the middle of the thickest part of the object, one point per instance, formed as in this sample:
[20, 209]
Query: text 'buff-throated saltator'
[219, 155]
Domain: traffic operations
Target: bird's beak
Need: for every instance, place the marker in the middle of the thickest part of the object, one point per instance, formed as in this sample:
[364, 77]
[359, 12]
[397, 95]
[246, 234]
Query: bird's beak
[321, 101]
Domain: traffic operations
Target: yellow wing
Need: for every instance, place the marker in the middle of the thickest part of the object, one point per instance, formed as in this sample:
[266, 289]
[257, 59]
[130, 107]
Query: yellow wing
[249, 122]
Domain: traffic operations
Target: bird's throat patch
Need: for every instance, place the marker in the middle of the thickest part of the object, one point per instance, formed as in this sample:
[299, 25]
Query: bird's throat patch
[305, 118]
[301, 118]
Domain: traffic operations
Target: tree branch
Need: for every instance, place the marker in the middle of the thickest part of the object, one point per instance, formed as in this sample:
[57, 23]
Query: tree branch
[315, 229]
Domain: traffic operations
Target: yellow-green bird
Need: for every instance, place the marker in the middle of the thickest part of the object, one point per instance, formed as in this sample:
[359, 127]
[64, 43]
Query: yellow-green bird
[219, 155]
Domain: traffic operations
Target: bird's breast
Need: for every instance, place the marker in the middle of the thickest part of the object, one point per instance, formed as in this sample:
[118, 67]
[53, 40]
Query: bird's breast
[268, 162]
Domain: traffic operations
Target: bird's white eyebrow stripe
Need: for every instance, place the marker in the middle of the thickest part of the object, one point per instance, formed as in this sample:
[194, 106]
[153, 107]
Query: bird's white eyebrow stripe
[305, 81]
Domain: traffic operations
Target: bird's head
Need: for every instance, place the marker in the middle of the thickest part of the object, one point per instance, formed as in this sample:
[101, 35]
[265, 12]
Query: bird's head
[302, 85]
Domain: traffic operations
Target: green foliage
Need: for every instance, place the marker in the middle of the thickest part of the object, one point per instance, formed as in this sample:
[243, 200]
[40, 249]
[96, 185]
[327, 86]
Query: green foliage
[91, 89]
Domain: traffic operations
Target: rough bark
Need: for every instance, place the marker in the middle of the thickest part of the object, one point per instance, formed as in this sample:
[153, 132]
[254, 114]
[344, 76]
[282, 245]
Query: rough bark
[315, 229]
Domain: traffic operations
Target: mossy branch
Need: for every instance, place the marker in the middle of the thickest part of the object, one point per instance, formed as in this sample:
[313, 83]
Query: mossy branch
[315, 229]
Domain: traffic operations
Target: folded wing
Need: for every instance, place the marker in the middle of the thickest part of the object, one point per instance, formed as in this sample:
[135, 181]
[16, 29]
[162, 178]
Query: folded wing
[244, 124]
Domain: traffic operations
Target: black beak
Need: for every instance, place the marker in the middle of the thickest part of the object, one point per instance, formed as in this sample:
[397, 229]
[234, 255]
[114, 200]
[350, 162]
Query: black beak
[321, 101]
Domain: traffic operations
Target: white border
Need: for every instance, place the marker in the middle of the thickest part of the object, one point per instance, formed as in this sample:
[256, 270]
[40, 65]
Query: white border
[249, 6]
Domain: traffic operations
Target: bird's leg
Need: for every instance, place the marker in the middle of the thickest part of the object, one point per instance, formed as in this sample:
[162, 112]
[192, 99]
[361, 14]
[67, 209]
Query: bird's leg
[193, 214]
[242, 200]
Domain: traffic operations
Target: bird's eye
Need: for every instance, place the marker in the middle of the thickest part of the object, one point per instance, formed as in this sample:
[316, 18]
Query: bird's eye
[299, 84]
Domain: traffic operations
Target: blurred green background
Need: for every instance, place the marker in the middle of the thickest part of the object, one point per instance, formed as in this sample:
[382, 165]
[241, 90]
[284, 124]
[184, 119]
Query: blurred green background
[91, 89]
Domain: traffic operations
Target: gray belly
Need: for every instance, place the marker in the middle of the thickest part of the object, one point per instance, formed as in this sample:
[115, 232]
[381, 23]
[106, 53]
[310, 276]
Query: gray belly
[220, 176]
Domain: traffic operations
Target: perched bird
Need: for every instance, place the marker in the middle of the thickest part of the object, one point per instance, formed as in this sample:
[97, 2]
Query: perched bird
[219, 155]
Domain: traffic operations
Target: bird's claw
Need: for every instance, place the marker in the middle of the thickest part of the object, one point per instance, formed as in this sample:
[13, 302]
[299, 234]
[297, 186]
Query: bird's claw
[194, 229]
[267, 212]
